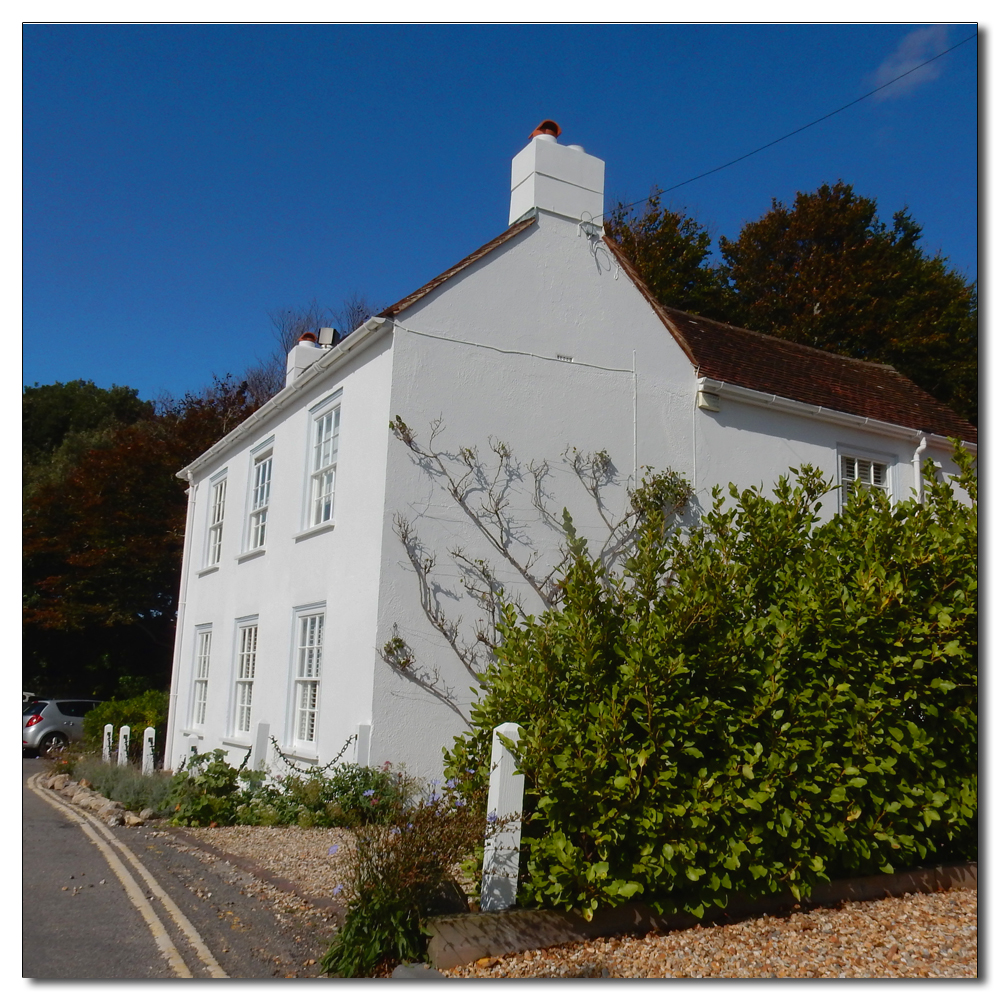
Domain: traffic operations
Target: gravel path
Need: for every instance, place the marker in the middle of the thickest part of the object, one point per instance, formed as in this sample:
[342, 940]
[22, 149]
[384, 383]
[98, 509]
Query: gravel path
[914, 936]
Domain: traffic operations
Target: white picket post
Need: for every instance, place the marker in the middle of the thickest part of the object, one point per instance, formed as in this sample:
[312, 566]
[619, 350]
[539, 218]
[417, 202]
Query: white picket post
[503, 847]
[109, 737]
[258, 755]
[148, 742]
[123, 736]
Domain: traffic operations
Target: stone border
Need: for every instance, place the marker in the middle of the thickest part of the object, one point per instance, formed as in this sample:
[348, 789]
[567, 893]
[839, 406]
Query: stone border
[82, 794]
[459, 940]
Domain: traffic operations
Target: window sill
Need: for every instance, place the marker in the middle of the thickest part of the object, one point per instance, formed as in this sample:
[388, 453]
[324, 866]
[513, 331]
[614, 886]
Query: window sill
[192, 732]
[319, 529]
[232, 741]
[208, 570]
[252, 554]
[311, 758]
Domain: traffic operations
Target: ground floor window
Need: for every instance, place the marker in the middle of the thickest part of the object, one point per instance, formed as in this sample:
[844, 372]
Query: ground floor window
[246, 668]
[308, 667]
[202, 658]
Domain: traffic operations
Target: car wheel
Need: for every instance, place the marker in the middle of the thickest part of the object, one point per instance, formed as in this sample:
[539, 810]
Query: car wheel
[51, 743]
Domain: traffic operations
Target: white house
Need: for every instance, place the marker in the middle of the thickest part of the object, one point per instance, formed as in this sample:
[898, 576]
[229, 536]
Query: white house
[294, 575]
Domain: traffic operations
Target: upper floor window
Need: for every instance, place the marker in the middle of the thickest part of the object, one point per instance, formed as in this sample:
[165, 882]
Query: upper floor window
[326, 441]
[216, 515]
[868, 472]
[260, 498]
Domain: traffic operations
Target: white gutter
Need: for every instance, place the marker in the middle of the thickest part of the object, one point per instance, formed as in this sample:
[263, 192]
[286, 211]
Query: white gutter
[739, 393]
[330, 361]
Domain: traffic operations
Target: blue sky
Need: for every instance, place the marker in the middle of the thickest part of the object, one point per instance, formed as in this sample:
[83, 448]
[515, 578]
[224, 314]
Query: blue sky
[181, 182]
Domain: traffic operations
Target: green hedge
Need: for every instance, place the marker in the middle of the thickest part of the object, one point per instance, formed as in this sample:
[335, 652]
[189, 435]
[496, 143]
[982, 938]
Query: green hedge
[146, 709]
[761, 704]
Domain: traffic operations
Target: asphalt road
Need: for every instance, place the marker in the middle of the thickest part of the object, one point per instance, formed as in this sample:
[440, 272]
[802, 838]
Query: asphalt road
[80, 920]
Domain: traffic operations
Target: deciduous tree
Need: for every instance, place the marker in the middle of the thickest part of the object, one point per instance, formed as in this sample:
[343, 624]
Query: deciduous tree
[672, 252]
[829, 273]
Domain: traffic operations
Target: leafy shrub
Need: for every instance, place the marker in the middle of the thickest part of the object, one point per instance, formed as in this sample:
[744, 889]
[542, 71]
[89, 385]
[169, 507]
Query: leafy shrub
[127, 785]
[762, 704]
[147, 709]
[403, 872]
[207, 791]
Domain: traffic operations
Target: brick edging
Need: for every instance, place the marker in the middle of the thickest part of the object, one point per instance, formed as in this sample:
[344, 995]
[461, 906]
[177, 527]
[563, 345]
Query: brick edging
[458, 940]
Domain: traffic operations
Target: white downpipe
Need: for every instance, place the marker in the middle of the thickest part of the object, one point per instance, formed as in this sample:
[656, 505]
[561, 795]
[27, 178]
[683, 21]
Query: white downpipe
[635, 425]
[918, 479]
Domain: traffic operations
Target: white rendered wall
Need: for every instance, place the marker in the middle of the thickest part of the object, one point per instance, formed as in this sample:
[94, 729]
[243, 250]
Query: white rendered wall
[548, 292]
[336, 569]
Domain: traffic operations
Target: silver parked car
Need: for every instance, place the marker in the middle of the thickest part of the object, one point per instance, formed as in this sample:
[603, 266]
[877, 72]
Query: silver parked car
[49, 724]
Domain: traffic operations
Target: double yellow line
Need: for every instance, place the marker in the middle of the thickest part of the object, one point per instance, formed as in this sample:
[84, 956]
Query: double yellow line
[104, 840]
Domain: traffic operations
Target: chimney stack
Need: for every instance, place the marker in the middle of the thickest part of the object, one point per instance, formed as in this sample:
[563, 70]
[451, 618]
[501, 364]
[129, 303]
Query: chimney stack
[563, 180]
[301, 356]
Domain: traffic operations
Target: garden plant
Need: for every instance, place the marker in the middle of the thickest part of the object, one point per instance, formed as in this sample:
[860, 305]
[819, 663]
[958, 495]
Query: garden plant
[761, 703]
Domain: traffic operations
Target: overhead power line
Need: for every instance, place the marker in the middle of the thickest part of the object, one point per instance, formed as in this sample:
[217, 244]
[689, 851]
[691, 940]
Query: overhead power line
[802, 128]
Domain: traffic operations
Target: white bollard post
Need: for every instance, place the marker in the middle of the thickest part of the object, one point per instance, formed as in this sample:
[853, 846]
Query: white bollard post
[258, 756]
[123, 735]
[148, 742]
[503, 848]
[109, 736]
[364, 744]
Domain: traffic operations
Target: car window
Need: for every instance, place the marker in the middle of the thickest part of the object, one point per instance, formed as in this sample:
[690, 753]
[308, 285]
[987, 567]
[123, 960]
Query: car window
[74, 709]
[33, 708]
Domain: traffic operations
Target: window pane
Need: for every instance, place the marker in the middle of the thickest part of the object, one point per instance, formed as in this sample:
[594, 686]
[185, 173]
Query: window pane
[307, 670]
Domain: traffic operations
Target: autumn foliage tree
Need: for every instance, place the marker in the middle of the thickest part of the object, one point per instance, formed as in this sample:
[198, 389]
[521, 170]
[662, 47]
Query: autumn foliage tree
[103, 537]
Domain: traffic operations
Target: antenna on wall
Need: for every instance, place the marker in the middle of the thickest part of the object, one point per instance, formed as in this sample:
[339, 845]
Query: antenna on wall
[327, 336]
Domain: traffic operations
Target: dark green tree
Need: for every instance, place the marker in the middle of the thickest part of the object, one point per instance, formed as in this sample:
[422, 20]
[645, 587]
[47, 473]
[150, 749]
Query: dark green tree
[829, 273]
[61, 420]
[671, 252]
[826, 272]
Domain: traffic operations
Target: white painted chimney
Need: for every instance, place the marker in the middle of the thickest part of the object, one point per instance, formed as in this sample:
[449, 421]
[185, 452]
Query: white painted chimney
[560, 179]
[301, 356]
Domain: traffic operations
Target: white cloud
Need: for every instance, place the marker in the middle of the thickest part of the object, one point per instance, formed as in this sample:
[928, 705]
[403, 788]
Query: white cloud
[915, 48]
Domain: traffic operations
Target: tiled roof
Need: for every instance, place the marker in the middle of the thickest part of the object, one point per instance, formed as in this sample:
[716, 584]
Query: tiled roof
[509, 233]
[782, 368]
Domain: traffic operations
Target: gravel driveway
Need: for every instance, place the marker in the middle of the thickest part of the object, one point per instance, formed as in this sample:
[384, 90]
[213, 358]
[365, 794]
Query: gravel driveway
[914, 936]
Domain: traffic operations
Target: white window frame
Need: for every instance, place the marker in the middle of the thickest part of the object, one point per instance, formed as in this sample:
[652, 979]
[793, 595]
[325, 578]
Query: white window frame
[202, 668]
[259, 495]
[308, 639]
[324, 448]
[217, 487]
[866, 464]
[244, 674]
